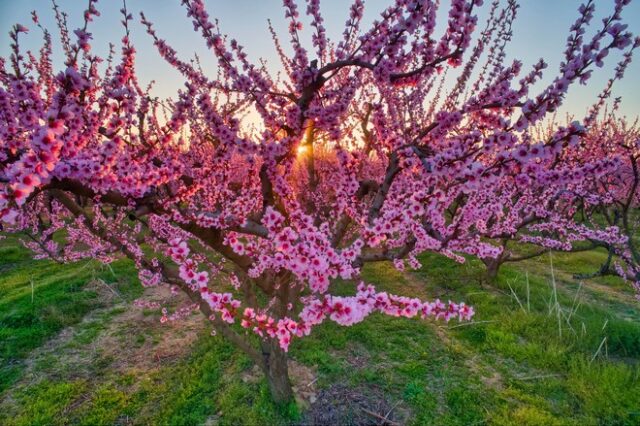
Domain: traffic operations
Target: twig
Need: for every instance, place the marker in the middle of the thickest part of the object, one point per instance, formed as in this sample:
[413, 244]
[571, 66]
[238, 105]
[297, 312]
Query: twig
[469, 323]
[475, 292]
[386, 416]
[113, 290]
[542, 376]
[378, 416]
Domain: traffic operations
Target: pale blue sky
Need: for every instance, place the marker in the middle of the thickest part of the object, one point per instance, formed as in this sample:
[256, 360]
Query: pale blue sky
[540, 31]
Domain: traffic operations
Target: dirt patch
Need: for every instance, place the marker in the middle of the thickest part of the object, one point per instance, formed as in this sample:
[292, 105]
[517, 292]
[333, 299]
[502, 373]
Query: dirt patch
[341, 405]
[113, 340]
[106, 293]
[610, 292]
[489, 376]
[303, 380]
[134, 338]
[567, 278]
[118, 341]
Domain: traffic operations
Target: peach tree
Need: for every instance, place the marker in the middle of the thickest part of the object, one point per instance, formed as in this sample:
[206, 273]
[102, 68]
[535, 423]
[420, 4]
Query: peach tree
[254, 193]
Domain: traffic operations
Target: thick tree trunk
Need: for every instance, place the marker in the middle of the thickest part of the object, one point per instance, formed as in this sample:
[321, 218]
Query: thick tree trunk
[277, 372]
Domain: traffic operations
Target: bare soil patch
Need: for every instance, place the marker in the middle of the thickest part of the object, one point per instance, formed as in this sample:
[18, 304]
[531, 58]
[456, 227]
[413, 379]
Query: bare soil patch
[360, 406]
[128, 340]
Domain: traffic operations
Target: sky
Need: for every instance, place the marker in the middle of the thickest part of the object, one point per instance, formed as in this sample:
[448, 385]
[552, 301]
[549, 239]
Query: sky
[540, 31]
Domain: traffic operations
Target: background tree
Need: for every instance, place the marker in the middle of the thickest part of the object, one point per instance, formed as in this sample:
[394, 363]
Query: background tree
[613, 200]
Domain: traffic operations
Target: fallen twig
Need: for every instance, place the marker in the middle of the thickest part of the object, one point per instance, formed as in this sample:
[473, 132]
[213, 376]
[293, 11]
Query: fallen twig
[542, 376]
[469, 323]
[379, 417]
[386, 416]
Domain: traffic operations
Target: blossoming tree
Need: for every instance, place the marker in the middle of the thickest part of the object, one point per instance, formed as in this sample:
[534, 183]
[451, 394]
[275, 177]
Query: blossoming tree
[541, 206]
[349, 160]
[535, 196]
[613, 201]
[568, 188]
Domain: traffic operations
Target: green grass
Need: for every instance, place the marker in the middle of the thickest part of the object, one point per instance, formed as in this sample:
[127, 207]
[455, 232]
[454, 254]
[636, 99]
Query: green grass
[39, 298]
[513, 365]
[45, 403]
[535, 359]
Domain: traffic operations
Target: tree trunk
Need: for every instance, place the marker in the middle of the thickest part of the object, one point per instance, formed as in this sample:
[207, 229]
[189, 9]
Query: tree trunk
[493, 266]
[277, 372]
[605, 268]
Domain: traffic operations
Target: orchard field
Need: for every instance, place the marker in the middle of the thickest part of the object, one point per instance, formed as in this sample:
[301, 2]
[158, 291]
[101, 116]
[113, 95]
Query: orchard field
[391, 212]
[75, 351]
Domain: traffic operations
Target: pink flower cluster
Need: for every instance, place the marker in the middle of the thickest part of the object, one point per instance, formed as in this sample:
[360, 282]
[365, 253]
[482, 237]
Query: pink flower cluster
[348, 311]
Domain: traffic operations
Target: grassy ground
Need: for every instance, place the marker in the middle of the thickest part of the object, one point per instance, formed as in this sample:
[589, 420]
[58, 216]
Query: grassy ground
[74, 351]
